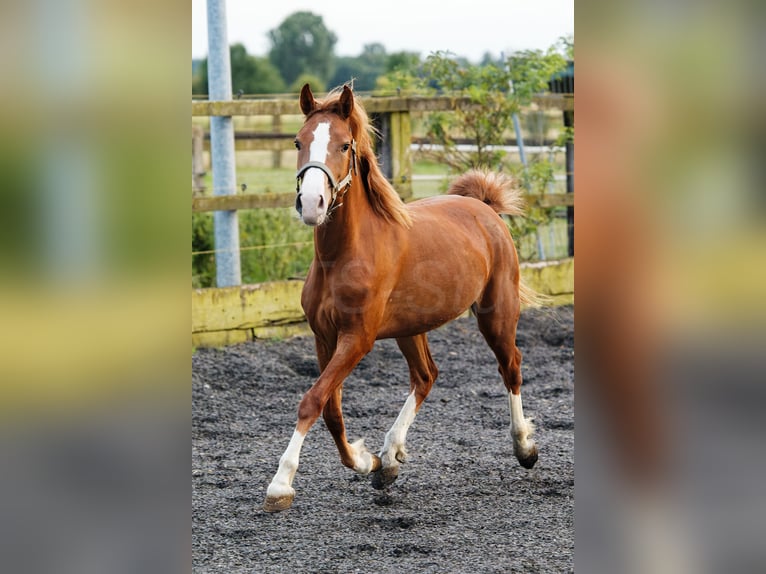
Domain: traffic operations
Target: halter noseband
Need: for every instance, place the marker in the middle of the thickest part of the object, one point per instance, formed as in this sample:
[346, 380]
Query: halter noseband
[338, 187]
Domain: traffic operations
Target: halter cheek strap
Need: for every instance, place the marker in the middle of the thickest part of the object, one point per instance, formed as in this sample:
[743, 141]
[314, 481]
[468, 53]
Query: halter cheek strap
[337, 186]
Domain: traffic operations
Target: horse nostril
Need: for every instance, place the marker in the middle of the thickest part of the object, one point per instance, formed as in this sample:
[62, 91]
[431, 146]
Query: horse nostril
[298, 204]
[321, 202]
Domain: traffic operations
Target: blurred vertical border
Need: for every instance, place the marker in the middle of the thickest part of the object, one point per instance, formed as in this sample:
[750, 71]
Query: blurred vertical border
[94, 286]
[671, 287]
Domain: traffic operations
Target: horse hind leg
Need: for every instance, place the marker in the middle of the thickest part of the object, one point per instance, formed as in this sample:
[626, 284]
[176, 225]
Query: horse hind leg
[423, 373]
[498, 326]
[524, 447]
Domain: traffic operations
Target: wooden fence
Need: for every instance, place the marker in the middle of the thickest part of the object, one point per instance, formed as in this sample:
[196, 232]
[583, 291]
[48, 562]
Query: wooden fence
[223, 316]
[390, 114]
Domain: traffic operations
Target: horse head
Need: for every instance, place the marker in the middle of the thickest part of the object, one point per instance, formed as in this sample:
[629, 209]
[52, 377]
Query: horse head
[326, 156]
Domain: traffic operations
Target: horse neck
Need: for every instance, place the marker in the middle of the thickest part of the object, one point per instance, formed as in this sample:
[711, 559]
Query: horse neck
[347, 224]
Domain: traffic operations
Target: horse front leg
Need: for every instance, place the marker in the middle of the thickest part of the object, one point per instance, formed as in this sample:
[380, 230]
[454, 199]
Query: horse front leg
[348, 353]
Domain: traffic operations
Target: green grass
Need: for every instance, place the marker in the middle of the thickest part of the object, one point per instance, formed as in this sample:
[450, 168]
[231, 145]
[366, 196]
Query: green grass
[275, 245]
[254, 169]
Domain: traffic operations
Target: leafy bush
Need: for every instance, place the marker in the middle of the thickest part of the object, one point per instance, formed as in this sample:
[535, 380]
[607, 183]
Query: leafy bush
[496, 90]
[274, 246]
[203, 264]
[283, 246]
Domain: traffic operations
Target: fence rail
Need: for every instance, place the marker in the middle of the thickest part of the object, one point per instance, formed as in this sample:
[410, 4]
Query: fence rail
[390, 114]
[266, 200]
[372, 104]
[236, 314]
[270, 141]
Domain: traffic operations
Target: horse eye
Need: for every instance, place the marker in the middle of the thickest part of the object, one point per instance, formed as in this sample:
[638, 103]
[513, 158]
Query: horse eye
[345, 147]
[297, 144]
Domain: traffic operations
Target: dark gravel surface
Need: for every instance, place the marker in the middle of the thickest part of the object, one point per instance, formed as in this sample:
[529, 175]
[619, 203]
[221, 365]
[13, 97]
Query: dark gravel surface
[461, 503]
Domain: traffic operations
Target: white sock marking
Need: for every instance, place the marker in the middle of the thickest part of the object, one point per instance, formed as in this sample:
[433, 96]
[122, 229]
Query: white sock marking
[394, 443]
[281, 484]
[521, 428]
[362, 457]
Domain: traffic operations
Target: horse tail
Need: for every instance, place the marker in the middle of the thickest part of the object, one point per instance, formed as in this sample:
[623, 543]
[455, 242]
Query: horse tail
[495, 189]
[499, 192]
[531, 298]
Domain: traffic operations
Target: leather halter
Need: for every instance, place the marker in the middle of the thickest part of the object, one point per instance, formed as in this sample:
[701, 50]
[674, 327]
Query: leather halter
[338, 187]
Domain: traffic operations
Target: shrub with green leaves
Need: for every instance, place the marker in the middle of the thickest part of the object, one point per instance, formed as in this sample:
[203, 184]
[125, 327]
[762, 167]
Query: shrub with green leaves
[495, 91]
[274, 246]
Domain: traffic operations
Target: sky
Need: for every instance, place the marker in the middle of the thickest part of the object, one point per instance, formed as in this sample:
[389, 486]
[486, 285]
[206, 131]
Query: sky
[467, 29]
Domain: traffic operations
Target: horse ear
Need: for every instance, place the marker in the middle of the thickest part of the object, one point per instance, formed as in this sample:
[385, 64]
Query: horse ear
[346, 102]
[308, 103]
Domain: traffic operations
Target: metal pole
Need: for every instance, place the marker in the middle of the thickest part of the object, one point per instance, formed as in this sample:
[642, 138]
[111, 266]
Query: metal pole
[519, 137]
[523, 158]
[569, 122]
[226, 223]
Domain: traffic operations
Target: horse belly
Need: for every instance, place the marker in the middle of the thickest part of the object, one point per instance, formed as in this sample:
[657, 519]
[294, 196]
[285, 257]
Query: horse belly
[432, 293]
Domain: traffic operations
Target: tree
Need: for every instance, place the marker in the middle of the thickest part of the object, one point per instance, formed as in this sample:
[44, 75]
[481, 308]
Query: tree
[492, 102]
[484, 121]
[250, 74]
[346, 69]
[302, 44]
[363, 69]
[403, 71]
[403, 61]
[316, 83]
[488, 117]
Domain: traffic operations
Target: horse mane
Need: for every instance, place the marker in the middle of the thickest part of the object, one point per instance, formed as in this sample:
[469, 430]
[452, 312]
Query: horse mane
[383, 198]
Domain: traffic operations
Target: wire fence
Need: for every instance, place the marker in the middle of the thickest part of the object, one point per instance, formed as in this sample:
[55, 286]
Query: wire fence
[267, 217]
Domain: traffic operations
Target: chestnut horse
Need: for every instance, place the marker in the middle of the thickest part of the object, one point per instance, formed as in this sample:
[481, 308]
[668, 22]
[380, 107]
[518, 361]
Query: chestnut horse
[384, 269]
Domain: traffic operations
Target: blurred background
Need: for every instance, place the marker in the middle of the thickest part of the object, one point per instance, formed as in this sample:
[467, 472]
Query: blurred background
[670, 287]
[94, 377]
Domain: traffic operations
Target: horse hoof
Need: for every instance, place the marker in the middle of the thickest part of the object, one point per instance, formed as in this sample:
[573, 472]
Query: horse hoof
[384, 477]
[278, 503]
[528, 460]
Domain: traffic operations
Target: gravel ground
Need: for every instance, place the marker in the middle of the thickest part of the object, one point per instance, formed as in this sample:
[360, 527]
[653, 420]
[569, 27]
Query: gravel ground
[461, 503]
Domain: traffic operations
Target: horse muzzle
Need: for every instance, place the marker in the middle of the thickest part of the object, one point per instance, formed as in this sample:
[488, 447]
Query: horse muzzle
[311, 203]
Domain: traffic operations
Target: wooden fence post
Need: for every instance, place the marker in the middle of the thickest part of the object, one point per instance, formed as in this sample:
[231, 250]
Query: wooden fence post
[198, 160]
[394, 150]
[401, 137]
[276, 127]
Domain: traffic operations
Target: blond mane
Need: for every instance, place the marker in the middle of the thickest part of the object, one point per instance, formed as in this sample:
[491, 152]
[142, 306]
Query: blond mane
[381, 194]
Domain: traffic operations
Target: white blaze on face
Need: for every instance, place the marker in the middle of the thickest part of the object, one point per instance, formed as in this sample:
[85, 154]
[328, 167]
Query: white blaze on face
[314, 186]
